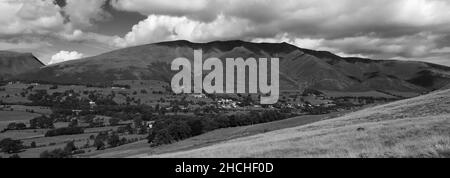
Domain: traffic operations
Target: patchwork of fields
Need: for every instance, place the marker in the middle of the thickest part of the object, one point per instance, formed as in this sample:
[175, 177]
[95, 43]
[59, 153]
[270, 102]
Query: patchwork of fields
[417, 127]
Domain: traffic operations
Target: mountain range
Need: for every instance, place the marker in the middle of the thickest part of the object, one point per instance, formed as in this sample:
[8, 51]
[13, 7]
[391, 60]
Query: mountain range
[299, 68]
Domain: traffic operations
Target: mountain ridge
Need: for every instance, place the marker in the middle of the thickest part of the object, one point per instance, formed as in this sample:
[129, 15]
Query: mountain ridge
[299, 67]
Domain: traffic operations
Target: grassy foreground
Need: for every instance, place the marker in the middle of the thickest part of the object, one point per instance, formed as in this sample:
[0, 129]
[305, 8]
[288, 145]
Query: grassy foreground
[417, 127]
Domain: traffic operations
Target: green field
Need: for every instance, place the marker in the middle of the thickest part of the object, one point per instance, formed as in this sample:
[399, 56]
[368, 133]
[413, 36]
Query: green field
[7, 117]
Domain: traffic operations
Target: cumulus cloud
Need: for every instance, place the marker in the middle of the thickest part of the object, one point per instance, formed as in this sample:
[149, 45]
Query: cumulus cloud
[63, 56]
[83, 12]
[162, 28]
[322, 18]
[27, 17]
[378, 28]
[44, 17]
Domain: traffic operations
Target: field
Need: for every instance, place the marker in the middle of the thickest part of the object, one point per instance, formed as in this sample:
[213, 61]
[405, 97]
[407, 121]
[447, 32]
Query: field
[147, 92]
[7, 117]
[49, 143]
[417, 127]
[152, 93]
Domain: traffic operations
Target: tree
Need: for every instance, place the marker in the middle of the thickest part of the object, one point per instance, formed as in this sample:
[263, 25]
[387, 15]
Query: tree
[99, 144]
[70, 147]
[11, 146]
[161, 137]
[33, 144]
[42, 122]
[113, 140]
[11, 126]
[123, 141]
[138, 122]
[21, 126]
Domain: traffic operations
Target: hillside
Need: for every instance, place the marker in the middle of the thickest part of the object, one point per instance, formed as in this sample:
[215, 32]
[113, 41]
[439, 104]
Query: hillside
[13, 63]
[417, 127]
[299, 67]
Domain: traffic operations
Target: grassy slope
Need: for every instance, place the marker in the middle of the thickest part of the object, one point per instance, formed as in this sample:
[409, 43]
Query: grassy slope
[207, 139]
[417, 127]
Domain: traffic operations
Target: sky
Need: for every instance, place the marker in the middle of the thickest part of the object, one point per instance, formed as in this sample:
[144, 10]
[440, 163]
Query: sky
[61, 30]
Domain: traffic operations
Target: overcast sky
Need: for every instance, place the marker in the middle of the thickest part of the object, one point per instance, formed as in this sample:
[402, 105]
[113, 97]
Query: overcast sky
[383, 29]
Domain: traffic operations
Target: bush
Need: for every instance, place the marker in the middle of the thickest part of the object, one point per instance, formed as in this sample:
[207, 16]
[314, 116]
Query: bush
[114, 140]
[64, 131]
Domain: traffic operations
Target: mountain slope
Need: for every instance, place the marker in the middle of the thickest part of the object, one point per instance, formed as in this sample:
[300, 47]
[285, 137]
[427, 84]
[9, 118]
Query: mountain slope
[13, 63]
[417, 127]
[299, 68]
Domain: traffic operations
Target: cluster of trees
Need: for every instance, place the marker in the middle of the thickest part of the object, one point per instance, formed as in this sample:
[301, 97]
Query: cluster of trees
[10, 146]
[68, 100]
[175, 128]
[16, 126]
[64, 131]
[67, 152]
[42, 122]
[104, 138]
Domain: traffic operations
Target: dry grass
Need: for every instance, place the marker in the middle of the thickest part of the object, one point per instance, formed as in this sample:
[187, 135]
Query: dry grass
[418, 127]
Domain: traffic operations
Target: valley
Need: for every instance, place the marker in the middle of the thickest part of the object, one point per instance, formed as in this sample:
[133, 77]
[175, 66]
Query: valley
[121, 104]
